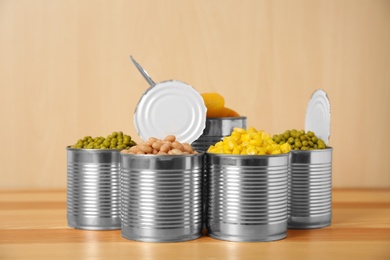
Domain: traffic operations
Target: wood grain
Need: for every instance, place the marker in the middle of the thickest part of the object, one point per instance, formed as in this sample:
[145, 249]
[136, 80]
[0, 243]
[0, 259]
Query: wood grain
[65, 73]
[360, 230]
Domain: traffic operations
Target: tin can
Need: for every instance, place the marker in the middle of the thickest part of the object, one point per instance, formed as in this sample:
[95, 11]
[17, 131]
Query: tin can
[310, 189]
[216, 129]
[93, 189]
[161, 199]
[247, 197]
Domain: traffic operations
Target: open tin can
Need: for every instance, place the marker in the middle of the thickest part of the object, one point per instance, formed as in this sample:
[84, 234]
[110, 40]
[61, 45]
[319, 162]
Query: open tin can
[310, 173]
[310, 189]
[93, 189]
[161, 199]
[246, 197]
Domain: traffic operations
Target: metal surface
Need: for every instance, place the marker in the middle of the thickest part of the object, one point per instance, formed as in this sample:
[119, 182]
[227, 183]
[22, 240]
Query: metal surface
[216, 129]
[171, 107]
[161, 197]
[143, 72]
[93, 189]
[310, 189]
[246, 197]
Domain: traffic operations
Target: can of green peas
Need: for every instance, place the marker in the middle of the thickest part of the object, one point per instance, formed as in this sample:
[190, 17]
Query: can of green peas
[93, 189]
[310, 189]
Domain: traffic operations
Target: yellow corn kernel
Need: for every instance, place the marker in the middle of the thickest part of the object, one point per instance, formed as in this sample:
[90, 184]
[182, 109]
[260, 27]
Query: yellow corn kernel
[285, 148]
[245, 137]
[239, 130]
[236, 150]
[243, 152]
[235, 136]
[251, 150]
[261, 150]
[255, 142]
[231, 144]
[251, 130]
[226, 149]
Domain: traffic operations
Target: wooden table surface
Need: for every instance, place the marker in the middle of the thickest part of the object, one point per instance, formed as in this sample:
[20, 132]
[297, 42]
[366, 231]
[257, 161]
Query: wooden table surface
[33, 226]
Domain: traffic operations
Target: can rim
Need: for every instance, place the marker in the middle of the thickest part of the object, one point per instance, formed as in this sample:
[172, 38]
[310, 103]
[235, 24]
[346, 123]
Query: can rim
[326, 149]
[225, 118]
[162, 155]
[91, 150]
[248, 155]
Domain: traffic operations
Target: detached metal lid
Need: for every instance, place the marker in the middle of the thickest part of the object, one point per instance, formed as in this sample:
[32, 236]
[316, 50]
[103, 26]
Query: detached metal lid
[318, 115]
[170, 108]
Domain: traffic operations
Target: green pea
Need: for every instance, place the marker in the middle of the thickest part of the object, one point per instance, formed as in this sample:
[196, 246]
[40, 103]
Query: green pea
[310, 134]
[277, 139]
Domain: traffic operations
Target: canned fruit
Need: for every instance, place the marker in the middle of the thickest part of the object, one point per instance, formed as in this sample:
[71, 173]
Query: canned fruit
[249, 142]
[116, 140]
[300, 140]
[228, 112]
[215, 104]
[167, 146]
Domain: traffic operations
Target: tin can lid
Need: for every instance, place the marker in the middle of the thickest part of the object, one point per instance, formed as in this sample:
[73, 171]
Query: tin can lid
[318, 115]
[170, 108]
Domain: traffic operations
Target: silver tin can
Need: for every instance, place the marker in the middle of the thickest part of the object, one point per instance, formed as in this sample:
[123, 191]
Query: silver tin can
[310, 189]
[161, 199]
[216, 129]
[246, 198]
[93, 189]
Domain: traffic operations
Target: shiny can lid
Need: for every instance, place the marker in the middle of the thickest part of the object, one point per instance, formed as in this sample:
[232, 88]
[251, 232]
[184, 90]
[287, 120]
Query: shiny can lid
[170, 108]
[318, 115]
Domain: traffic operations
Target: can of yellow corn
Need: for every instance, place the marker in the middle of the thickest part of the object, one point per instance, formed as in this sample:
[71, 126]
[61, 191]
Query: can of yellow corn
[246, 196]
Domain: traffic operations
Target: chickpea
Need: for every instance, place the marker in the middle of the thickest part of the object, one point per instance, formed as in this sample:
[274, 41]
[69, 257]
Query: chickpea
[165, 148]
[146, 148]
[157, 145]
[177, 145]
[170, 138]
[151, 141]
[175, 152]
[187, 148]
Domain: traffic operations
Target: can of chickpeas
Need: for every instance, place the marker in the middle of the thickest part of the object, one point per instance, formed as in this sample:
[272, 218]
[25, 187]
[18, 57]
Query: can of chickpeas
[161, 199]
[310, 189]
[216, 129]
[246, 197]
[93, 189]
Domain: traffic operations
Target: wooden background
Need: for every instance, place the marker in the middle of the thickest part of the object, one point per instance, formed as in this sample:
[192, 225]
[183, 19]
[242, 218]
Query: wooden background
[65, 73]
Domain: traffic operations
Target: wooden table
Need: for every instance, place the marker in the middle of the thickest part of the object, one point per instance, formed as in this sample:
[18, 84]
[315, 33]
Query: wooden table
[33, 226]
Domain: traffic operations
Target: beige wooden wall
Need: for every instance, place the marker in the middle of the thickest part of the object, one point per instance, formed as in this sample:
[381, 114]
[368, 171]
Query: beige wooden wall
[65, 73]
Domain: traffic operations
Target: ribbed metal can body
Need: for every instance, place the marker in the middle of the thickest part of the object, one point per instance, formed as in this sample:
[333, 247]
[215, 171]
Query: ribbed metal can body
[93, 189]
[310, 189]
[246, 197]
[161, 197]
[216, 129]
